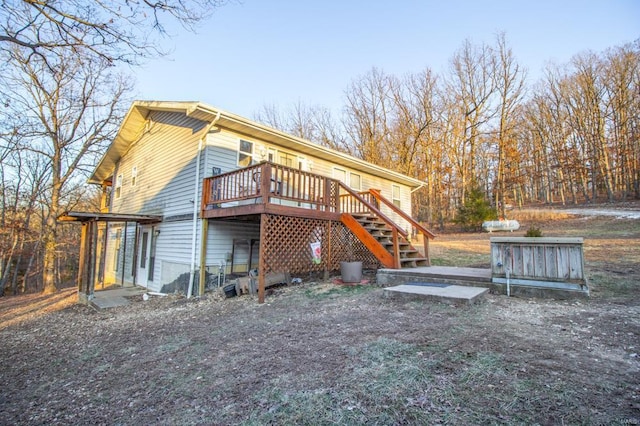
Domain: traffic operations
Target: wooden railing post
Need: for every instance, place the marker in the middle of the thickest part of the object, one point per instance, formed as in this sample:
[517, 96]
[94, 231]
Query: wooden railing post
[206, 194]
[327, 194]
[396, 249]
[265, 182]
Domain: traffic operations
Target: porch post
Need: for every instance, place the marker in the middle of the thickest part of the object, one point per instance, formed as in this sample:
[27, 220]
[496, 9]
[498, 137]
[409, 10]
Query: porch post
[92, 253]
[261, 258]
[86, 266]
[203, 255]
[82, 265]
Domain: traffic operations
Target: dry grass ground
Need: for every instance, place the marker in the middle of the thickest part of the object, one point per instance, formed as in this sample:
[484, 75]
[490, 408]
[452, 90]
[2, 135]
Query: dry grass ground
[318, 353]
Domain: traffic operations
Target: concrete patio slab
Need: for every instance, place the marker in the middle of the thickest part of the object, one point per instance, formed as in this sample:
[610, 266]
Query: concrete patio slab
[113, 298]
[445, 293]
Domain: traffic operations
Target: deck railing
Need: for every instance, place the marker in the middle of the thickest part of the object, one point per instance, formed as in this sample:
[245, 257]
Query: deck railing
[268, 183]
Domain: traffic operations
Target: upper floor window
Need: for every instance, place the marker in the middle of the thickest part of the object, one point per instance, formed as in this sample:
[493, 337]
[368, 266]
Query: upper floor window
[118, 188]
[134, 175]
[355, 181]
[245, 153]
[395, 195]
[340, 174]
[287, 159]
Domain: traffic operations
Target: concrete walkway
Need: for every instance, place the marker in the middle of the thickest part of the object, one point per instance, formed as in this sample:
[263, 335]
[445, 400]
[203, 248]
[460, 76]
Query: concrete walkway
[115, 297]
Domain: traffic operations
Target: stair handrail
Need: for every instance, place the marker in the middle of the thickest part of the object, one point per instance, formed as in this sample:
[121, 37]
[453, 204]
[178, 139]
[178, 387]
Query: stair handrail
[374, 209]
[376, 193]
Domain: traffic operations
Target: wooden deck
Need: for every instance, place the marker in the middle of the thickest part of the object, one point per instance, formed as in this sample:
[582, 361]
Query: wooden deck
[296, 208]
[272, 189]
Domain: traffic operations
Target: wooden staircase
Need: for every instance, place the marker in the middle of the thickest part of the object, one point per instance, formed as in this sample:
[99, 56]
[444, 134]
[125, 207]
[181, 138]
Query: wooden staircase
[392, 250]
[386, 240]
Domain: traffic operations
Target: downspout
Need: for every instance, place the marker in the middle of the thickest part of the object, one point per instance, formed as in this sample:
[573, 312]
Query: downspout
[196, 205]
[422, 185]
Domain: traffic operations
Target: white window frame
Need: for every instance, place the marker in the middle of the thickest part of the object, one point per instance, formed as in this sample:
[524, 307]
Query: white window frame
[134, 175]
[249, 155]
[272, 154]
[355, 188]
[336, 171]
[117, 189]
[396, 200]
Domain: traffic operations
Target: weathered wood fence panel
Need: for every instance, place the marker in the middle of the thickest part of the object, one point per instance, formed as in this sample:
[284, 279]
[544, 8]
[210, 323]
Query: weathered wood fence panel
[546, 259]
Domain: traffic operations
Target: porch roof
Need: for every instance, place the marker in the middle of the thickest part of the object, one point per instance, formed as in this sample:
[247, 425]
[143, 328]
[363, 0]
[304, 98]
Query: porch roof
[72, 216]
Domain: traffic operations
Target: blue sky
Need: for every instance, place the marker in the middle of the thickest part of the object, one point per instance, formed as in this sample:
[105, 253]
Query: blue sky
[280, 52]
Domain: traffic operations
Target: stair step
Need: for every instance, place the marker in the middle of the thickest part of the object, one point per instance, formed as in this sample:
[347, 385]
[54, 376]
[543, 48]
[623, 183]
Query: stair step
[378, 229]
[413, 263]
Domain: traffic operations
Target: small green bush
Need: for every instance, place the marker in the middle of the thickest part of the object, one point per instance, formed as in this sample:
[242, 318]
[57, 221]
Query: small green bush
[475, 210]
[533, 232]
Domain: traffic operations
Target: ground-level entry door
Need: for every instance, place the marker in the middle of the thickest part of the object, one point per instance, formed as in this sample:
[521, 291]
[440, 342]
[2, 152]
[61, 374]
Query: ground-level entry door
[144, 255]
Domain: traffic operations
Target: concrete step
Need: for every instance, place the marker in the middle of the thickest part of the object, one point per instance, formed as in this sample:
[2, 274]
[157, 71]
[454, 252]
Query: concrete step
[436, 274]
[445, 293]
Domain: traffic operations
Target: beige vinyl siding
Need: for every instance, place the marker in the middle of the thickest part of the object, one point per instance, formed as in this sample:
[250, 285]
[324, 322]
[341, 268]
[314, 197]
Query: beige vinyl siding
[322, 167]
[165, 159]
[222, 153]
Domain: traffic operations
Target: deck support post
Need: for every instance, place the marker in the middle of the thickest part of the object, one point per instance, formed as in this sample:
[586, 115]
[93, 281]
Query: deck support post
[261, 259]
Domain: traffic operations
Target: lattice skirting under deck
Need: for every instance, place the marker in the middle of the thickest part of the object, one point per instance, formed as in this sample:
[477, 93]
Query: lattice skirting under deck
[286, 242]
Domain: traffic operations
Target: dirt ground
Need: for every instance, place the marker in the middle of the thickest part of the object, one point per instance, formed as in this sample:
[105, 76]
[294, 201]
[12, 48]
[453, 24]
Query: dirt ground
[321, 353]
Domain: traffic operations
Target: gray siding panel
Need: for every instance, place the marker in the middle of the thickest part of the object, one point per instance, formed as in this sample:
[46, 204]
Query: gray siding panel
[165, 159]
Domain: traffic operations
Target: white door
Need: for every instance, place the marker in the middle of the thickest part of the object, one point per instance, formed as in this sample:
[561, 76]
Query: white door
[144, 250]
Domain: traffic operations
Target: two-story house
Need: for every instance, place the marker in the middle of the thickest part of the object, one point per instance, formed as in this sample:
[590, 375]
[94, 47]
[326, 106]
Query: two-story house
[191, 191]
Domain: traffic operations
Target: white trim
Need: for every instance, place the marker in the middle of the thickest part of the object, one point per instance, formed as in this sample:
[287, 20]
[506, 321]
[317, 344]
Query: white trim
[250, 155]
[117, 189]
[398, 198]
[359, 187]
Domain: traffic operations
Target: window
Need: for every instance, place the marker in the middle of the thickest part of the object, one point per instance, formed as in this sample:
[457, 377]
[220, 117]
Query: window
[245, 153]
[340, 174]
[118, 186]
[287, 159]
[134, 175]
[355, 181]
[395, 195]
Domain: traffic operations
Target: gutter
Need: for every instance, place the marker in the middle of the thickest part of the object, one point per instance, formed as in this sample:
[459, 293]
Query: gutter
[422, 185]
[196, 204]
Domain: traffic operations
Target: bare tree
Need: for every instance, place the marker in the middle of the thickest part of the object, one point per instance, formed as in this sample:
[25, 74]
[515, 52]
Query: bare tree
[367, 116]
[314, 123]
[471, 88]
[68, 107]
[114, 30]
[622, 87]
[509, 82]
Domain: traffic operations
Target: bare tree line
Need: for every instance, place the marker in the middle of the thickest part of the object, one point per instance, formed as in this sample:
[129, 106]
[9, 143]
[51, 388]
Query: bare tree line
[570, 138]
[62, 99]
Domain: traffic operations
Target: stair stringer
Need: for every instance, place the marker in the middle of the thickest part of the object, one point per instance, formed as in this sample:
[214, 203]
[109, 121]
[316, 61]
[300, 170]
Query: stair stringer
[369, 241]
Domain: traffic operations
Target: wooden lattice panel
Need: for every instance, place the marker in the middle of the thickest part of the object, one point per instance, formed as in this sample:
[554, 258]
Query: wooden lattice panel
[345, 246]
[286, 242]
